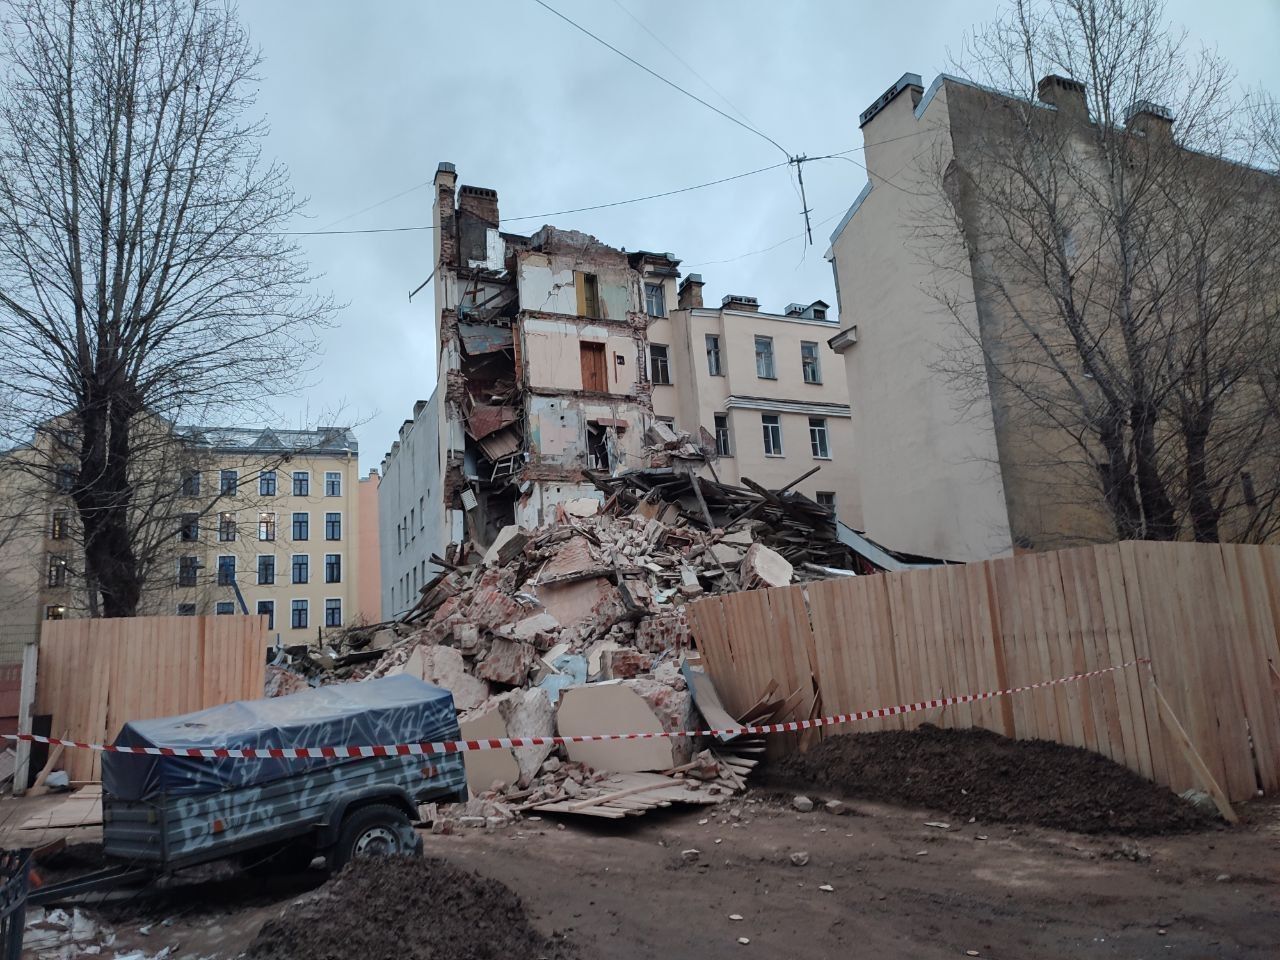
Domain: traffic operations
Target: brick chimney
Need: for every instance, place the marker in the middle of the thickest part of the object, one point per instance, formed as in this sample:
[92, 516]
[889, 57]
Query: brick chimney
[479, 201]
[446, 236]
[1149, 119]
[1065, 94]
[690, 292]
[733, 301]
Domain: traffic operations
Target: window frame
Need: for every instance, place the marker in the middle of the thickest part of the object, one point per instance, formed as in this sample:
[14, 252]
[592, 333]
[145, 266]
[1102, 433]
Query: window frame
[767, 355]
[768, 431]
[302, 483]
[721, 428]
[655, 292]
[56, 574]
[815, 362]
[222, 567]
[65, 480]
[306, 526]
[304, 566]
[715, 367]
[190, 525]
[229, 605]
[186, 610]
[819, 437]
[333, 477]
[189, 573]
[329, 519]
[267, 484]
[660, 362]
[228, 526]
[59, 523]
[329, 608]
[819, 494]
[332, 561]
[191, 483]
[267, 526]
[270, 612]
[226, 489]
[269, 567]
[51, 609]
[299, 605]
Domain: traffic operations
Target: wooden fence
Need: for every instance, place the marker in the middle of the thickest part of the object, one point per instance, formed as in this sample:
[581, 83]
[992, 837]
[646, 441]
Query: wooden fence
[1207, 616]
[93, 675]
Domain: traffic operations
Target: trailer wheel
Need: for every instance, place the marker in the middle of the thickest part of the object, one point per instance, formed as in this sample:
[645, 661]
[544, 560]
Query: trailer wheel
[378, 830]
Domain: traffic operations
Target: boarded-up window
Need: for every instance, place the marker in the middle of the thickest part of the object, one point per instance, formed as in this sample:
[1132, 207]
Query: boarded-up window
[588, 288]
[595, 374]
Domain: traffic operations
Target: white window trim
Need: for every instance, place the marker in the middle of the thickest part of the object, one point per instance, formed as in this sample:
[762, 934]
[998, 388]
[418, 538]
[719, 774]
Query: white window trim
[342, 564]
[275, 568]
[817, 363]
[826, 438]
[291, 537]
[342, 526]
[292, 557]
[292, 601]
[781, 447]
[217, 568]
[670, 381]
[307, 474]
[338, 474]
[719, 351]
[780, 405]
[342, 612]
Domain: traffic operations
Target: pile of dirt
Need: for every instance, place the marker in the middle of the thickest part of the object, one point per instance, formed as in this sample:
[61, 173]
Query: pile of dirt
[977, 773]
[391, 909]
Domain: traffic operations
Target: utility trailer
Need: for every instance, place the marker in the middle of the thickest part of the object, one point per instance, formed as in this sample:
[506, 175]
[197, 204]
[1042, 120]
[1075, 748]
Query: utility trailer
[162, 814]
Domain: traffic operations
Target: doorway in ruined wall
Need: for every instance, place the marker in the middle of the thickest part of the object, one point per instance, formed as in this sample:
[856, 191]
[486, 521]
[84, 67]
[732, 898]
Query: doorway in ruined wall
[595, 372]
[598, 448]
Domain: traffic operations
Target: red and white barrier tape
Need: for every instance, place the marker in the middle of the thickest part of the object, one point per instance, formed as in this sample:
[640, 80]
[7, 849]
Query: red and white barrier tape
[503, 743]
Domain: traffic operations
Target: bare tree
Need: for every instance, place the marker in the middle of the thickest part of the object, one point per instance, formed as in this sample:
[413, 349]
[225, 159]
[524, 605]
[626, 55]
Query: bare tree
[143, 272]
[1122, 249]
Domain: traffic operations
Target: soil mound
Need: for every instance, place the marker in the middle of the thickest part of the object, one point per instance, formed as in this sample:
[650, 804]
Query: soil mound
[977, 773]
[406, 908]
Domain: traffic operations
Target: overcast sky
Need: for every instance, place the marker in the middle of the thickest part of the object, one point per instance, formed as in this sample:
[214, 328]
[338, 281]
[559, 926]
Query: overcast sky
[364, 99]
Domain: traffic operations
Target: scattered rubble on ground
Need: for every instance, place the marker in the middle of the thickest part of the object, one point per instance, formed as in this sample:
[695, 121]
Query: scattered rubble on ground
[979, 774]
[412, 907]
[579, 627]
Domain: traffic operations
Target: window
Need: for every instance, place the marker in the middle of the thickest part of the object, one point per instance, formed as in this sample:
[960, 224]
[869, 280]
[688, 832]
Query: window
[764, 358]
[66, 478]
[267, 483]
[58, 531]
[301, 483]
[268, 608]
[655, 304]
[827, 498]
[659, 364]
[301, 526]
[724, 448]
[266, 526]
[224, 607]
[818, 438]
[595, 372]
[333, 613]
[189, 532]
[588, 295]
[266, 570]
[299, 621]
[422, 513]
[55, 612]
[229, 481]
[301, 568]
[713, 355]
[333, 526]
[58, 570]
[809, 361]
[332, 483]
[226, 571]
[226, 526]
[414, 535]
[191, 483]
[333, 568]
[772, 425]
[186, 609]
[668, 421]
[188, 568]
[819, 313]
[399, 538]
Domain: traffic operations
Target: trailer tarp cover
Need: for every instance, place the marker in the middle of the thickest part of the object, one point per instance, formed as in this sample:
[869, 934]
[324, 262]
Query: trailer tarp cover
[396, 709]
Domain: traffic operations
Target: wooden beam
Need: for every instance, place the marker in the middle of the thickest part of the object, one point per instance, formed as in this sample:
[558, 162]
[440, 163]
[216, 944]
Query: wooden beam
[1194, 760]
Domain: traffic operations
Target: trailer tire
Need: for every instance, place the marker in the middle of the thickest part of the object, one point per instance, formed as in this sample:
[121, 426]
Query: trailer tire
[377, 830]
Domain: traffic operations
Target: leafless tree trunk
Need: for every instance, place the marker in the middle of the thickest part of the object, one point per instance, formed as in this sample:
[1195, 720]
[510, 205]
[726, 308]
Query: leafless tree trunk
[143, 273]
[1129, 265]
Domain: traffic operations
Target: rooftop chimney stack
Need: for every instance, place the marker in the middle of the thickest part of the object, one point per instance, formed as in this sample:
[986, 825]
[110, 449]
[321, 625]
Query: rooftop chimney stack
[733, 301]
[1149, 119]
[1065, 94]
[480, 201]
[690, 292]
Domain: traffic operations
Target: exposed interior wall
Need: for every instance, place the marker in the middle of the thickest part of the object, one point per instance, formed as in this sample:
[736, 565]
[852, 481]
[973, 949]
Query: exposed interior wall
[929, 480]
[553, 357]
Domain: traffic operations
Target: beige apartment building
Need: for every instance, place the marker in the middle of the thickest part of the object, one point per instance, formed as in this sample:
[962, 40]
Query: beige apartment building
[272, 512]
[766, 387]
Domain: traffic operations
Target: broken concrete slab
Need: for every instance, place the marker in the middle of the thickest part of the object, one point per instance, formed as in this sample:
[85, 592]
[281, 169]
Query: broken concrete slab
[444, 667]
[539, 629]
[507, 662]
[612, 707]
[509, 542]
[764, 567]
[486, 766]
[573, 603]
[584, 507]
[529, 713]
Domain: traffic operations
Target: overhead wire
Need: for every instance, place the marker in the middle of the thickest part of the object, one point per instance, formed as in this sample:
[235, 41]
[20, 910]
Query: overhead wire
[658, 76]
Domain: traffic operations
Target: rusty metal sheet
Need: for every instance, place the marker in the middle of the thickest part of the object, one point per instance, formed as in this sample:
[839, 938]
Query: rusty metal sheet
[485, 419]
[500, 444]
[480, 338]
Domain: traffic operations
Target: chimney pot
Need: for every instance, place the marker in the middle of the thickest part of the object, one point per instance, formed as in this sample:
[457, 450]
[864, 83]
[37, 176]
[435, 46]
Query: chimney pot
[733, 301]
[1149, 119]
[1065, 94]
[690, 292]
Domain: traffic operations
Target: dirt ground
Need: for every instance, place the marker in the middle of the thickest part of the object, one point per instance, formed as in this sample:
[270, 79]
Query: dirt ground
[899, 887]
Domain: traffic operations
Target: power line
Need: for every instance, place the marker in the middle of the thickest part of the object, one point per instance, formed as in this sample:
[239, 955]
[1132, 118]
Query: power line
[374, 206]
[687, 65]
[658, 76]
[554, 213]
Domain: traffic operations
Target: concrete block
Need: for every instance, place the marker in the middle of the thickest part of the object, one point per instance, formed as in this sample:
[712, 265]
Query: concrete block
[508, 662]
[612, 707]
[529, 713]
[763, 567]
[444, 667]
[485, 766]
